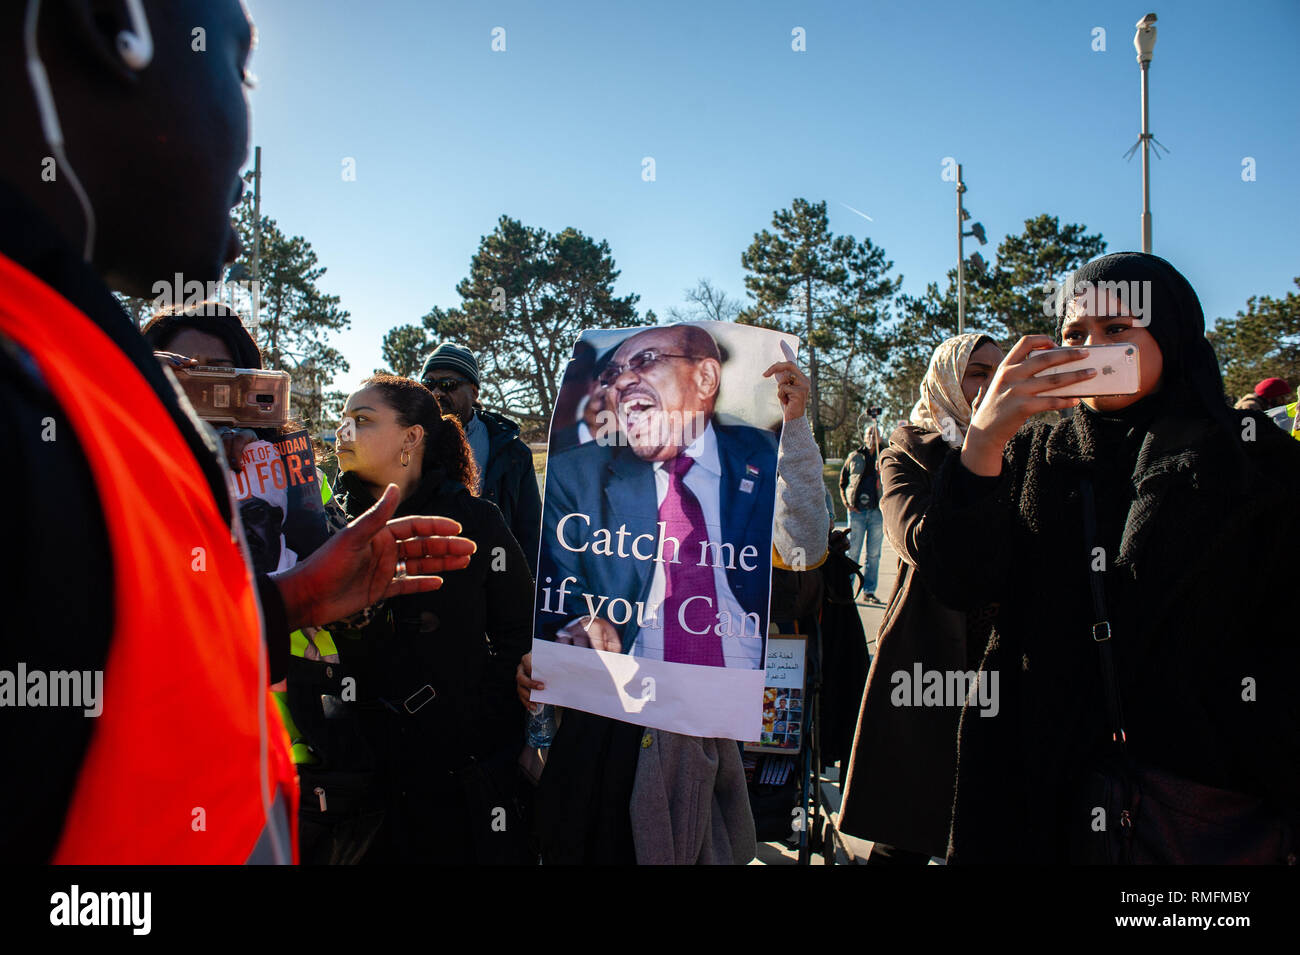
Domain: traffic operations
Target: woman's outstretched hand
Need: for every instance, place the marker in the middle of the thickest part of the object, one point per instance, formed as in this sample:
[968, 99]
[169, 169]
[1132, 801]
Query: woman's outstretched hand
[1014, 396]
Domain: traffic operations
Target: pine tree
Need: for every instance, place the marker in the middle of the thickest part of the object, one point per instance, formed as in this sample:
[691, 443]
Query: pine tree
[527, 297]
[1013, 298]
[832, 291]
[296, 319]
[1261, 342]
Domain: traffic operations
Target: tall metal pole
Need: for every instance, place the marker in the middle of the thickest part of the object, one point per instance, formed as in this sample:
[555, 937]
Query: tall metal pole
[1146, 164]
[961, 269]
[257, 234]
[1144, 41]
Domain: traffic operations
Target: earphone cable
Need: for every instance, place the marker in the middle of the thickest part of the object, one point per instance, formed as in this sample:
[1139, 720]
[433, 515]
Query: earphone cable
[50, 127]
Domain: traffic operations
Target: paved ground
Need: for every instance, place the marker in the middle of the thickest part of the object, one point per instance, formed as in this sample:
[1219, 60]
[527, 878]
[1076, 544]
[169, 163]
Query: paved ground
[851, 850]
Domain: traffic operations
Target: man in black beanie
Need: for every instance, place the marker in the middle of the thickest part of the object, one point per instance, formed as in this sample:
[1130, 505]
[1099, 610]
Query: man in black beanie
[505, 464]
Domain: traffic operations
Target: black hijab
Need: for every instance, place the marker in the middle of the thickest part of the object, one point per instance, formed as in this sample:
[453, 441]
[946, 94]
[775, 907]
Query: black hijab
[1191, 383]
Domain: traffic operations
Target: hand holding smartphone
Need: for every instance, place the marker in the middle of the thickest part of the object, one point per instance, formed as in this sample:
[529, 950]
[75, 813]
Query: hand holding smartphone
[240, 397]
[1118, 373]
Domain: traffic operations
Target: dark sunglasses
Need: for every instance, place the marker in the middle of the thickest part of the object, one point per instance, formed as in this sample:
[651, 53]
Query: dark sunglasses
[445, 385]
[641, 360]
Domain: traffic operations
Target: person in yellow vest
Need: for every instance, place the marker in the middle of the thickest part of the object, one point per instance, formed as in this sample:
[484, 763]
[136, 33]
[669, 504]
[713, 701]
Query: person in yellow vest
[1284, 416]
[128, 595]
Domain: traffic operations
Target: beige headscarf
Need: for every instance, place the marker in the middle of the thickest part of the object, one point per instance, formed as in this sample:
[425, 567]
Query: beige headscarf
[941, 398]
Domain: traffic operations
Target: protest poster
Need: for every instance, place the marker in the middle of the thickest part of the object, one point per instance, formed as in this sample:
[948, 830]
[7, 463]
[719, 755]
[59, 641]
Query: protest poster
[655, 566]
[783, 695]
[279, 500]
[278, 494]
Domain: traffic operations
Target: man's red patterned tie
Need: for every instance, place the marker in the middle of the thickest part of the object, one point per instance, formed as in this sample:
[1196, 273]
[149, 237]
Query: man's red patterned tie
[684, 519]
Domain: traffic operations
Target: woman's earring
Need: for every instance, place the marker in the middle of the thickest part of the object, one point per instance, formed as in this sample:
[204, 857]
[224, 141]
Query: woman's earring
[406, 459]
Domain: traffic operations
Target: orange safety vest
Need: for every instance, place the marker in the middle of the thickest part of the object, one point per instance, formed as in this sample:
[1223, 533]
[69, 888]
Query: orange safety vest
[186, 671]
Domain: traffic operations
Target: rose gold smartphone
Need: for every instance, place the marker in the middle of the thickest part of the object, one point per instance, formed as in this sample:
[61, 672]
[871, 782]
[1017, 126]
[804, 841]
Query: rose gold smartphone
[1118, 372]
[242, 397]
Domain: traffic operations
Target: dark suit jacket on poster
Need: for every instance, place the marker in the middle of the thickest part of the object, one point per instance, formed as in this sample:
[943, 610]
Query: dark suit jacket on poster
[613, 487]
[564, 439]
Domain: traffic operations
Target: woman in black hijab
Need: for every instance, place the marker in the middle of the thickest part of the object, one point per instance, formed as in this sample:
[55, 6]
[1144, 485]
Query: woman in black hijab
[1188, 521]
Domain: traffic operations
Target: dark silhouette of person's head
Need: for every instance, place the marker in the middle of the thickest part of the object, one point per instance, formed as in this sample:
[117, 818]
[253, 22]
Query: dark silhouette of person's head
[158, 150]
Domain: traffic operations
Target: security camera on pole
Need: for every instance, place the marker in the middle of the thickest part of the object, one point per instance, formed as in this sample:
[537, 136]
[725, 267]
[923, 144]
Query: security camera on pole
[977, 231]
[1144, 41]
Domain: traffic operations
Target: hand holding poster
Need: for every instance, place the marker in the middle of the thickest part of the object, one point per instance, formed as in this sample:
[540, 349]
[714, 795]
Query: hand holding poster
[655, 568]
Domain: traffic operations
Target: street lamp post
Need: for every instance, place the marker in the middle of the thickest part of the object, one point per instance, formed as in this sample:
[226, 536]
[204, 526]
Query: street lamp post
[961, 268]
[977, 231]
[257, 236]
[1144, 41]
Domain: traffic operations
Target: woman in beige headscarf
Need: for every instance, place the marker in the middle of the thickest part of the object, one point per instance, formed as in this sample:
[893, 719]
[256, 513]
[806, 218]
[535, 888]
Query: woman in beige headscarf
[952, 384]
[899, 788]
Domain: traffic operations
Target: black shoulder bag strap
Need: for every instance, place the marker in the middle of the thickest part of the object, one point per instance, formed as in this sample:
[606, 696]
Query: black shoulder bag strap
[1101, 628]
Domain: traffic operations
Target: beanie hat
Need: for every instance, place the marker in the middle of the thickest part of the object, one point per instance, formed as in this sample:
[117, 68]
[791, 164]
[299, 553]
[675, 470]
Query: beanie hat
[1271, 388]
[455, 357]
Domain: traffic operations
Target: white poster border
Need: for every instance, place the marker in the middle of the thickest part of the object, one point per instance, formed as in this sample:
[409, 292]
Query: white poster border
[677, 697]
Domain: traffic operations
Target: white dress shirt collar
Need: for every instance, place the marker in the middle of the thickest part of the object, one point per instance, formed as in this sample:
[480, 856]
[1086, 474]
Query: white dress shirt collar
[704, 450]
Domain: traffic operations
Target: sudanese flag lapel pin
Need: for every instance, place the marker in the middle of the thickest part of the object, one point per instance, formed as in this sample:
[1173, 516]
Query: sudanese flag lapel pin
[747, 483]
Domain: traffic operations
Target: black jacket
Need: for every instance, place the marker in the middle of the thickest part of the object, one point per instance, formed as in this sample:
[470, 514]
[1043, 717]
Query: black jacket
[58, 592]
[438, 773]
[510, 482]
[1197, 616]
[860, 481]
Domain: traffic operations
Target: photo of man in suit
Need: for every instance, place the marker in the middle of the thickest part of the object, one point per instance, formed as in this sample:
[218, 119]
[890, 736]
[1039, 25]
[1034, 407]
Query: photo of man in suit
[658, 540]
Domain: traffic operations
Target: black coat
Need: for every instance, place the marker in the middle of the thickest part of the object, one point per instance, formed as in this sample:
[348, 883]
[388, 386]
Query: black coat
[1197, 616]
[510, 482]
[439, 774]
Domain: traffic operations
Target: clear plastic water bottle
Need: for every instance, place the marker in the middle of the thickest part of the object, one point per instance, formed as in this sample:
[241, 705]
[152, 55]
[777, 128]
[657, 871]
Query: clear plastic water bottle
[541, 725]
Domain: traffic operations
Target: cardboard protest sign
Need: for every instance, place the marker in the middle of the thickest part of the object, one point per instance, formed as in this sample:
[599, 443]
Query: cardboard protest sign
[654, 575]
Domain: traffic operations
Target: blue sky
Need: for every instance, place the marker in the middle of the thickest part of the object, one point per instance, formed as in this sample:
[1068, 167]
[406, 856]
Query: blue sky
[448, 135]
